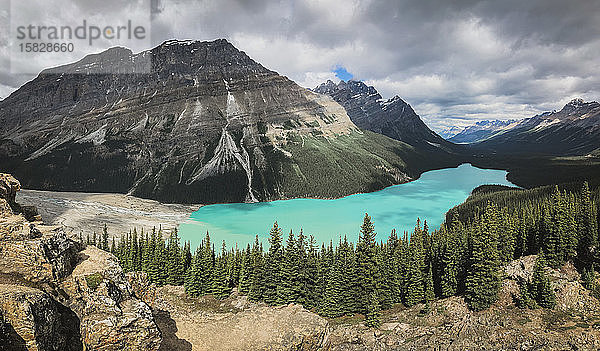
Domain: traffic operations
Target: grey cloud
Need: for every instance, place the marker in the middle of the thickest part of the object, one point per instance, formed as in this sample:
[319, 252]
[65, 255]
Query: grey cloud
[454, 61]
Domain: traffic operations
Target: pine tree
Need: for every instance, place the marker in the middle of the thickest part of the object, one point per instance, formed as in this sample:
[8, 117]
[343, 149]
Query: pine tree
[187, 256]
[151, 262]
[429, 293]
[160, 262]
[373, 316]
[450, 260]
[331, 300]
[415, 280]
[193, 278]
[256, 290]
[588, 278]
[312, 273]
[220, 286]
[289, 290]
[273, 267]
[349, 299]
[588, 232]
[483, 281]
[104, 243]
[525, 300]
[554, 223]
[385, 276]
[366, 263]
[175, 264]
[540, 285]
[303, 269]
[245, 272]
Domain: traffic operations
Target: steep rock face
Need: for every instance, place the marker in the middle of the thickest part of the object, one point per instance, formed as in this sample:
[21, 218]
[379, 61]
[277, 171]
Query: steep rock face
[574, 130]
[53, 296]
[206, 124]
[8, 191]
[31, 254]
[393, 118]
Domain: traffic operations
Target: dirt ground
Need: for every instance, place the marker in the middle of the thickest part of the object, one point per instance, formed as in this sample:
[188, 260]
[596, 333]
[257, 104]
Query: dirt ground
[88, 212]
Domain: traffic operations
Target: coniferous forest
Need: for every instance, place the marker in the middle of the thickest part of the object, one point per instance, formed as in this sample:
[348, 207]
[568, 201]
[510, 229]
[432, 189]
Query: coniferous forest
[464, 257]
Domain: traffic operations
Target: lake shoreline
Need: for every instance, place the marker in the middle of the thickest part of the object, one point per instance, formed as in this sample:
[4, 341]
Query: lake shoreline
[87, 213]
[395, 207]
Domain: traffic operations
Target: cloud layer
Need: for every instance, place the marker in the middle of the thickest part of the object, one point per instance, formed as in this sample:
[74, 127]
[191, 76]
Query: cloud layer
[453, 61]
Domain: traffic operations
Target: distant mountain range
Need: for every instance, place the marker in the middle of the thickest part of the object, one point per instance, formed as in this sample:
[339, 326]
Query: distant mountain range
[449, 132]
[207, 124]
[574, 130]
[393, 117]
[481, 131]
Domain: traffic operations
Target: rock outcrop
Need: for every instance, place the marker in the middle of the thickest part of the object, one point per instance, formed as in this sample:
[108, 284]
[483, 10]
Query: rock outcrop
[37, 321]
[55, 294]
[111, 317]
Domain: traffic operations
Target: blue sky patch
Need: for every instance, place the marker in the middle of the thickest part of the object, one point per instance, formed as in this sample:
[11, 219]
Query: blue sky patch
[342, 74]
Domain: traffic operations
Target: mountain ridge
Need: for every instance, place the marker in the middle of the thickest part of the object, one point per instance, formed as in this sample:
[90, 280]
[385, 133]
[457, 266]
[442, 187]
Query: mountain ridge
[392, 117]
[573, 130]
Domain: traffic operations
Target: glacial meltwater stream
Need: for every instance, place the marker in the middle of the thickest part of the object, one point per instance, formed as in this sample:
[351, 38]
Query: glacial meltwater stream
[398, 206]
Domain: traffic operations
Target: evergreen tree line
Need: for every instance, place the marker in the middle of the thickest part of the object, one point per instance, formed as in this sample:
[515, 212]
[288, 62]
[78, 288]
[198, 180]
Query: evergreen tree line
[463, 257]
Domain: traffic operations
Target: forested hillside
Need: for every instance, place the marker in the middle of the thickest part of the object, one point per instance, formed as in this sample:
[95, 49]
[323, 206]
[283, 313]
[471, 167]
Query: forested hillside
[494, 226]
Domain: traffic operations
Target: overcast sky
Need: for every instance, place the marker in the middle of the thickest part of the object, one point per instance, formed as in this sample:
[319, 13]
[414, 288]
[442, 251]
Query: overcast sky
[455, 62]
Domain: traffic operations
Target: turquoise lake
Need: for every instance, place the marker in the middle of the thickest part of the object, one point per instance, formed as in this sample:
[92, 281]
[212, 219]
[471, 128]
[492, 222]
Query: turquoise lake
[396, 207]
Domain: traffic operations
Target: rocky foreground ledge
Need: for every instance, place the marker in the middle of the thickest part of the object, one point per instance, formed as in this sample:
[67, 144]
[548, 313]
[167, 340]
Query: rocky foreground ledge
[56, 294]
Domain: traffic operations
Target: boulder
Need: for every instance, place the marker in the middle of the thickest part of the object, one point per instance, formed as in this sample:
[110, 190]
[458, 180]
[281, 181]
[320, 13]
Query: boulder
[141, 287]
[33, 257]
[9, 186]
[111, 317]
[521, 269]
[34, 321]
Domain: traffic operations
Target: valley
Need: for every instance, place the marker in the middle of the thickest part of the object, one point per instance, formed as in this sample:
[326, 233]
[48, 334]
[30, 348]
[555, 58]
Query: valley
[213, 203]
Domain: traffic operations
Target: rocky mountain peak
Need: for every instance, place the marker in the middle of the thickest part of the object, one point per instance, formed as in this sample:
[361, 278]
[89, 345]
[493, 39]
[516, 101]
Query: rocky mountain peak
[171, 58]
[576, 102]
[577, 107]
[327, 87]
[573, 130]
[351, 88]
[393, 117]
